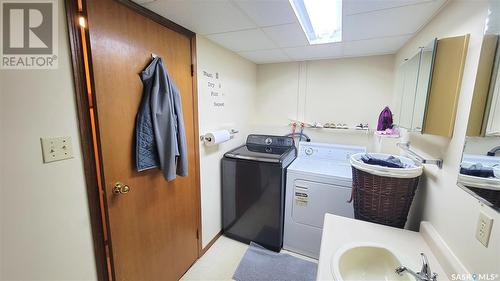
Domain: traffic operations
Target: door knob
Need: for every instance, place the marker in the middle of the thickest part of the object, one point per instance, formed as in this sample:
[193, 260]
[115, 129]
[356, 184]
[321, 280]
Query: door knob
[121, 188]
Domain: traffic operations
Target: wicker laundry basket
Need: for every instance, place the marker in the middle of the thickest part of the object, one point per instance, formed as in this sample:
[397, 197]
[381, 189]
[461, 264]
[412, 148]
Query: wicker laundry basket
[487, 188]
[383, 195]
[492, 196]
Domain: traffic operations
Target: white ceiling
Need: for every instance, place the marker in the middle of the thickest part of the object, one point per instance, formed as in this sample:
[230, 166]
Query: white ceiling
[266, 31]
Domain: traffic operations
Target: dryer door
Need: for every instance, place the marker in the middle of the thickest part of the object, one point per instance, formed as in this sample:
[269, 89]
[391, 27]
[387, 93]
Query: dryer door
[312, 200]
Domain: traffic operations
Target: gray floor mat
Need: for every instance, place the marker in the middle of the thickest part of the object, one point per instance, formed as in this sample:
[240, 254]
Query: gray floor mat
[260, 264]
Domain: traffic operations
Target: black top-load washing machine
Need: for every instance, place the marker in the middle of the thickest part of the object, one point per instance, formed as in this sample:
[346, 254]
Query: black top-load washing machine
[253, 189]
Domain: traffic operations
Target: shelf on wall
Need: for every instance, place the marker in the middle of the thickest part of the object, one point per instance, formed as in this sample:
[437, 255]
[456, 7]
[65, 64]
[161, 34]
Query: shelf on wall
[349, 129]
[308, 125]
[386, 136]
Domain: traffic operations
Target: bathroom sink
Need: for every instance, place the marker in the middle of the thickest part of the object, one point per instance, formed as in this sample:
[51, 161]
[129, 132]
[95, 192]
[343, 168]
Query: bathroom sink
[360, 262]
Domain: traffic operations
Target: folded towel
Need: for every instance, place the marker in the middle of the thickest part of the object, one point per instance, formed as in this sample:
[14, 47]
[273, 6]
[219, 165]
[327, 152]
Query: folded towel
[477, 170]
[390, 162]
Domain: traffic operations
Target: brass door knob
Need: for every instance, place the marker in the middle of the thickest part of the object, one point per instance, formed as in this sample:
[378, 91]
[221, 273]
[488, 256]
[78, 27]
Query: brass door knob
[121, 188]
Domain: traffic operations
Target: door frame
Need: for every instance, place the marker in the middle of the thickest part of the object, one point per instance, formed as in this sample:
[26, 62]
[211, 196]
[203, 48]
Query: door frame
[89, 128]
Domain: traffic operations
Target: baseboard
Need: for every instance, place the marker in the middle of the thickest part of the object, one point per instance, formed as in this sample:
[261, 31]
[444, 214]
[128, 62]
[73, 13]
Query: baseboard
[449, 262]
[204, 250]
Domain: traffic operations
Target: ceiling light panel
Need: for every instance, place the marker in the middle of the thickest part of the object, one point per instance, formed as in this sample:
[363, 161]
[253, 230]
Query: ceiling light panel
[321, 20]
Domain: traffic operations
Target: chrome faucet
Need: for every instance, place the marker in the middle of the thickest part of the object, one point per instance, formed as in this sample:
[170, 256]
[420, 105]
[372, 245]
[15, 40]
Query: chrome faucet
[425, 273]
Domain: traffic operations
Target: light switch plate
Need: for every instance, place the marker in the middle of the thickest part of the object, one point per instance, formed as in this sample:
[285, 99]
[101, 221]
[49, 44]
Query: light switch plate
[483, 229]
[56, 148]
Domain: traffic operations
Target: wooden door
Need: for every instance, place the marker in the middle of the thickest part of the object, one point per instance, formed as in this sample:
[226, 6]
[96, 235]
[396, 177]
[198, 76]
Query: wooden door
[153, 228]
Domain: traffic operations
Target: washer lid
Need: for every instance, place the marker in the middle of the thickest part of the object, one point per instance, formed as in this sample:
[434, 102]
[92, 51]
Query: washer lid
[273, 154]
[335, 169]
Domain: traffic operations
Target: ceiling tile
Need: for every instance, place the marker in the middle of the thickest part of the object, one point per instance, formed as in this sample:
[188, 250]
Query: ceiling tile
[375, 46]
[266, 13]
[265, 56]
[287, 35]
[390, 22]
[351, 7]
[333, 50]
[201, 16]
[257, 29]
[245, 40]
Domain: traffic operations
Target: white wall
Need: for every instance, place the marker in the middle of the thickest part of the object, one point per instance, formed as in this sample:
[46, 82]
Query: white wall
[452, 211]
[262, 99]
[481, 145]
[238, 79]
[351, 90]
[45, 225]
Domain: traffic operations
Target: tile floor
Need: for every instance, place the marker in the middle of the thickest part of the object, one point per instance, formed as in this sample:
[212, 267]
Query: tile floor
[221, 260]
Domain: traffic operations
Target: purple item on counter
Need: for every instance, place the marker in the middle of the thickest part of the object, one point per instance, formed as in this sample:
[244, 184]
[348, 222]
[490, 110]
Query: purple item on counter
[385, 119]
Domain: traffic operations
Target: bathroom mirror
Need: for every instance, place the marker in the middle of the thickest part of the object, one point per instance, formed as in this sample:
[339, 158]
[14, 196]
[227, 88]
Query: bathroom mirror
[480, 167]
[413, 85]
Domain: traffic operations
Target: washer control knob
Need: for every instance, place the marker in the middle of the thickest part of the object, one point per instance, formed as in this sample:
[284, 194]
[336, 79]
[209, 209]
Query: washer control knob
[309, 151]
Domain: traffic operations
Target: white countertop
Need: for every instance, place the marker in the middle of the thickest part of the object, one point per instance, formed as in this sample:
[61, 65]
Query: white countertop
[405, 244]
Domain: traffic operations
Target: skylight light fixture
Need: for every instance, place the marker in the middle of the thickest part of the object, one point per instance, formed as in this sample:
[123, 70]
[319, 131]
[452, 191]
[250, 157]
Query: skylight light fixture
[321, 20]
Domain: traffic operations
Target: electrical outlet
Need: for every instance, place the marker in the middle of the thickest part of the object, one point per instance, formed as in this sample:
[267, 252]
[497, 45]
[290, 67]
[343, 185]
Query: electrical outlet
[55, 149]
[483, 229]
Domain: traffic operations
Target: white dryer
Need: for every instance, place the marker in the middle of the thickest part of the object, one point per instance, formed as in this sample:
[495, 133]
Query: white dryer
[319, 181]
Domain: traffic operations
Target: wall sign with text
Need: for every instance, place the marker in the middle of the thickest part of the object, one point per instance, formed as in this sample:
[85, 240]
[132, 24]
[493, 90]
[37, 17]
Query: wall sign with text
[213, 83]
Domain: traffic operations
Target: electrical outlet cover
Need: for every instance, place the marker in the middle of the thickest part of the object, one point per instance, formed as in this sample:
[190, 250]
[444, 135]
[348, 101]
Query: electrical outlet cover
[56, 148]
[483, 229]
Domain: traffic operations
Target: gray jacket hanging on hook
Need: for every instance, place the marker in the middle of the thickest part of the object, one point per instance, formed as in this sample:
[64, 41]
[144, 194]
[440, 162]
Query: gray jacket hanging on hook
[160, 132]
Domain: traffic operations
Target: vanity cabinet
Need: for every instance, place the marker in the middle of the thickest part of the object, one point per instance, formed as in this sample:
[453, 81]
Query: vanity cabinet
[445, 86]
[478, 111]
[413, 80]
[493, 126]
[428, 87]
[484, 117]
[407, 85]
